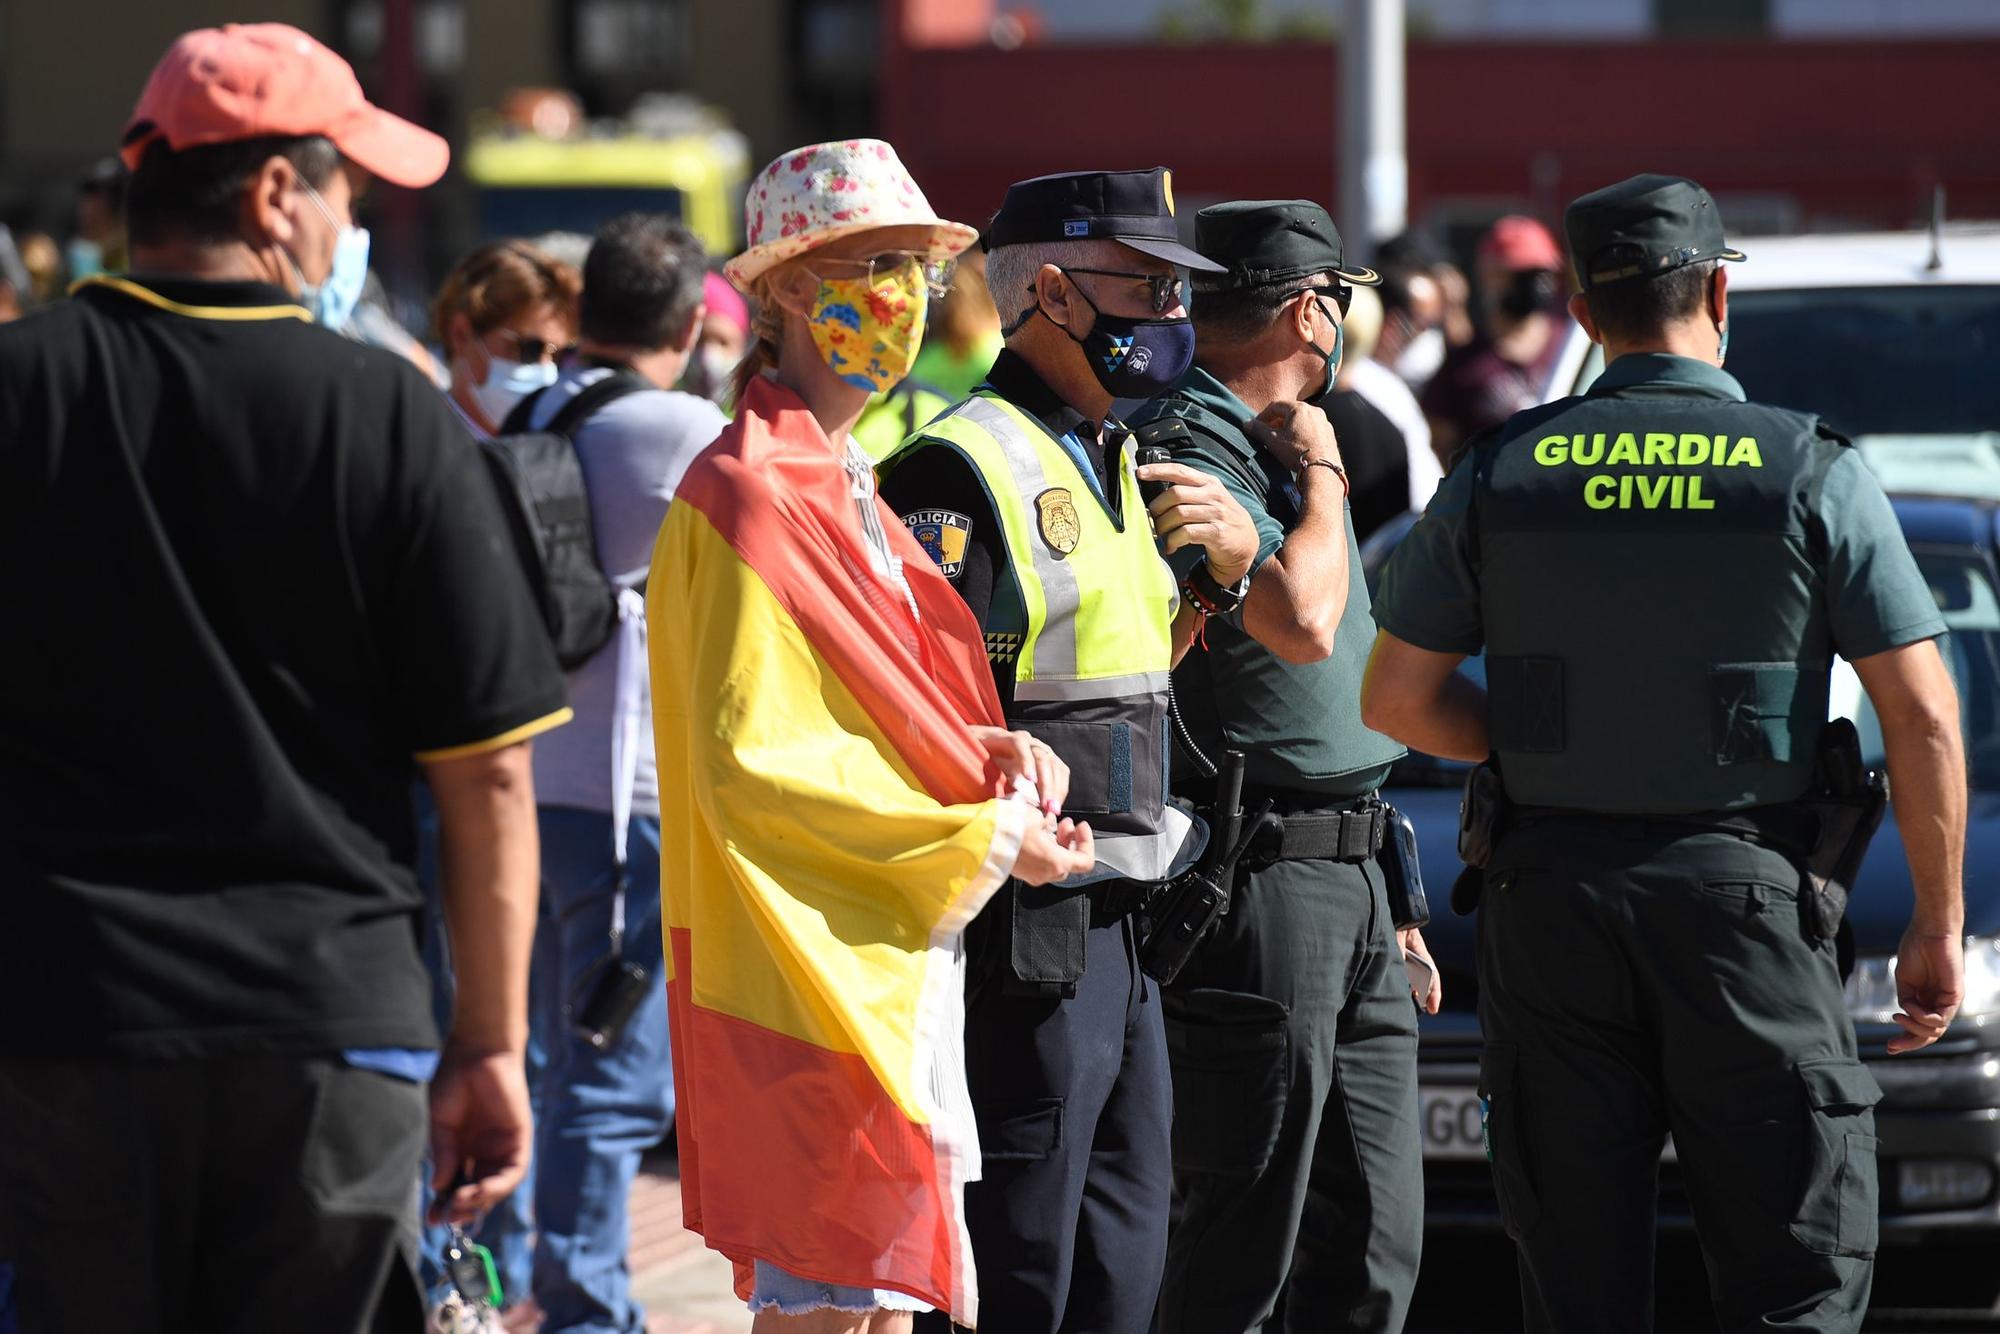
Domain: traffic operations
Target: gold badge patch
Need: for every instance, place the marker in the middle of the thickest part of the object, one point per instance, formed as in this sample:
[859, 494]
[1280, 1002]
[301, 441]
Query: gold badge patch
[1061, 528]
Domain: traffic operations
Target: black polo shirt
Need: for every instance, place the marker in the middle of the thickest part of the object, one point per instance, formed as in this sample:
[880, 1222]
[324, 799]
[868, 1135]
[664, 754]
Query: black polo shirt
[252, 572]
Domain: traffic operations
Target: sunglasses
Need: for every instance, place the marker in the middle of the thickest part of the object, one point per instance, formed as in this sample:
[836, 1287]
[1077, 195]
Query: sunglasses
[937, 272]
[1163, 289]
[1342, 294]
[529, 350]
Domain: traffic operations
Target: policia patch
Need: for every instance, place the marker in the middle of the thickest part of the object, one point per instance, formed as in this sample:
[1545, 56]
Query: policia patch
[943, 535]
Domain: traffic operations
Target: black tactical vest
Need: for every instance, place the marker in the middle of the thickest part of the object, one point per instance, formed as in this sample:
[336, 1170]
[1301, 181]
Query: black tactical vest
[1652, 592]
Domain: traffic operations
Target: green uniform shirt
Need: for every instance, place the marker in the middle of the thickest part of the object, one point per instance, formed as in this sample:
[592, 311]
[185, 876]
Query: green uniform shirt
[1298, 724]
[1634, 565]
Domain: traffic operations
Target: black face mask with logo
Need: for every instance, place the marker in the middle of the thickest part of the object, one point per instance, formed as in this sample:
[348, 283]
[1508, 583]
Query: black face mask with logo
[1136, 359]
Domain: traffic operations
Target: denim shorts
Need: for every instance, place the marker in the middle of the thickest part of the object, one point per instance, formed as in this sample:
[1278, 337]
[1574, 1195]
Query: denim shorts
[775, 1289]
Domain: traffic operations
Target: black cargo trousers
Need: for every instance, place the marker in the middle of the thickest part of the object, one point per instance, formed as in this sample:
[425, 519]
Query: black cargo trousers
[1639, 979]
[1298, 1162]
[229, 1195]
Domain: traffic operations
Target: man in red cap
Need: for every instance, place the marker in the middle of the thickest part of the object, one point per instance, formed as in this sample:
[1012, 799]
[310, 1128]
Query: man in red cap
[1501, 371]
[266, 582]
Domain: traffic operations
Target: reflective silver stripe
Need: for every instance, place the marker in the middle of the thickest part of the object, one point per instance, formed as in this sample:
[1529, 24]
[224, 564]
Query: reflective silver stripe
[1144, 856]
[1055, 645]
[1101, 687]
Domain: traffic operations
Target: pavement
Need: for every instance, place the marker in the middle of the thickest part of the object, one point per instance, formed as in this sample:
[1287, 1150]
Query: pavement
[685, 1287]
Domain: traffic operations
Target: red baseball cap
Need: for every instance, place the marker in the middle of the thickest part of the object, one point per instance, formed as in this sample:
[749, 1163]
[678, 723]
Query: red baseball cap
[1518, 242]
[248, 80]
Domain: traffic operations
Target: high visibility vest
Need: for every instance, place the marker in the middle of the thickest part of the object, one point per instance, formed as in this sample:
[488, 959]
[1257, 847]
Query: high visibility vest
[1652, 589]
[1091, 673]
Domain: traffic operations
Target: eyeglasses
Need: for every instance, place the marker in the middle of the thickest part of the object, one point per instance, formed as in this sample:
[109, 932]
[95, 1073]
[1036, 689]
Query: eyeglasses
[528, 350]
[1341, 292]
[1164, 289]
[937, 272]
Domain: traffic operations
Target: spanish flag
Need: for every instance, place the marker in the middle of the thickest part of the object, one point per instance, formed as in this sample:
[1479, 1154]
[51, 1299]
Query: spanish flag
[829, 827]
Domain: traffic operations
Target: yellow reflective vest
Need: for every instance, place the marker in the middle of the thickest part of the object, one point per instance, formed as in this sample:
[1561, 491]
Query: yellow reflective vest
[1090, 677]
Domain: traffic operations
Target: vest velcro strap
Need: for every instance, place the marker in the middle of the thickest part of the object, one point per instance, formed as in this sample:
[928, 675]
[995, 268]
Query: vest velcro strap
[1755, 711]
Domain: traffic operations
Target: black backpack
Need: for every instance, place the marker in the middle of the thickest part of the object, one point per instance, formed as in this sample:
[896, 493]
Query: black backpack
[540, 483]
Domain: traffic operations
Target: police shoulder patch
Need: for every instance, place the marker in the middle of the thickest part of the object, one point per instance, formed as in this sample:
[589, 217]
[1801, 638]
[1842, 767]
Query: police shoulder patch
[943, 535]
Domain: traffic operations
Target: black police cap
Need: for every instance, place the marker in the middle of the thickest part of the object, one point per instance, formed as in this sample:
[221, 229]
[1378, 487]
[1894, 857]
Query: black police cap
[1134, 208]
[1264, 241]
[1643, 227]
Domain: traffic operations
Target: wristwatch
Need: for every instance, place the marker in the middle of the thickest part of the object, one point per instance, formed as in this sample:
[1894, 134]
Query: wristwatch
[1212, 598]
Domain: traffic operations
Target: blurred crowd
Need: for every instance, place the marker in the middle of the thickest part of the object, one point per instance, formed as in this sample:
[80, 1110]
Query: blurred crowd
[1432, 357]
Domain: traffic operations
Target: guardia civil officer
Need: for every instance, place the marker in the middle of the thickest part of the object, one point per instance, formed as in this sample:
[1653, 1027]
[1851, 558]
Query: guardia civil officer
[1660, 573]
[1291, 1032]
[1027, 495]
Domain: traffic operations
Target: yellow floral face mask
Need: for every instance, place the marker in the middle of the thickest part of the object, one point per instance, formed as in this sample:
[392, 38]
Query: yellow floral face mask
[869, 329]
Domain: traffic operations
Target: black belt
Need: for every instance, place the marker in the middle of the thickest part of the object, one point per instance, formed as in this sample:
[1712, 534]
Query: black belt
[1352, 836]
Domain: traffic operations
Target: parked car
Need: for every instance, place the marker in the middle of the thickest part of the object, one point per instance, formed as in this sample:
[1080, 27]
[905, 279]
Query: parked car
[1939, 1120]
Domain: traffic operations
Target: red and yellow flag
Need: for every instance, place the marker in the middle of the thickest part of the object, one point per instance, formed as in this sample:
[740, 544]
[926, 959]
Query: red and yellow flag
[829, 827]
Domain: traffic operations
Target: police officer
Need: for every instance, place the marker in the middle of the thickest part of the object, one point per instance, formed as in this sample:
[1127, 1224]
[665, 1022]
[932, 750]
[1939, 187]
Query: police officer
[1291, 1032]
[1660, 574]
[1027, 495]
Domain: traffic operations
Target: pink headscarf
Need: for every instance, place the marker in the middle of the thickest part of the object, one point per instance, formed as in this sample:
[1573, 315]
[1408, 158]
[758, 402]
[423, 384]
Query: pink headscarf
[725, 303]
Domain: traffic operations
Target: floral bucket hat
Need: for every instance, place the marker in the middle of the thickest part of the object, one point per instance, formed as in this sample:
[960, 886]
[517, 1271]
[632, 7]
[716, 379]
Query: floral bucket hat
[821, 192]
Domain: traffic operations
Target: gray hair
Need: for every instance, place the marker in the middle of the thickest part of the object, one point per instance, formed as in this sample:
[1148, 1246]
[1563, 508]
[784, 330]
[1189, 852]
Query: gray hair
[1011, 272]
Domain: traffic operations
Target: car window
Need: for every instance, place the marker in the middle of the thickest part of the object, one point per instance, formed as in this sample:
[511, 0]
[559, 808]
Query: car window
[1871, 361]
[1963, 587]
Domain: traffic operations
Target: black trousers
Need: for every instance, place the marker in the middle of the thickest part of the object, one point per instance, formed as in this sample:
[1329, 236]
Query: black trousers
[1297, 1158]
[209, 1196]
[1638, 980]
[1069, 1219]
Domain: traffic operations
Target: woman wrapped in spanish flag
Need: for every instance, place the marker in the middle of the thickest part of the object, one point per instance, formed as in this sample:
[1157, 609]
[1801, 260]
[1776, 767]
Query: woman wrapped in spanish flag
[837, 795]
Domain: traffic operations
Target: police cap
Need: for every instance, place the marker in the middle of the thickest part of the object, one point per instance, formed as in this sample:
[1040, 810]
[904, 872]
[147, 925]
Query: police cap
[1643, 227]
[1134, 208]
[1259, 242]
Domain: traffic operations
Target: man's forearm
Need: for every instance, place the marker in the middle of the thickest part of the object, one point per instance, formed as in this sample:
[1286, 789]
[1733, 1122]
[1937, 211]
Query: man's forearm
[490, 867]
[1296, 600]
[1451, 725]
[1926, 762]
[1418, 697]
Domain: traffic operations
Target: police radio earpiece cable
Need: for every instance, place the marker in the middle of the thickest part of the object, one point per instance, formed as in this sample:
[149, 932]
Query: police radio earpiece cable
[1153, 445]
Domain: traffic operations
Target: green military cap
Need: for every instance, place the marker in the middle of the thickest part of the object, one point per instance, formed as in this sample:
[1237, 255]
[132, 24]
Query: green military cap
[1264, 241]
[1643, 227]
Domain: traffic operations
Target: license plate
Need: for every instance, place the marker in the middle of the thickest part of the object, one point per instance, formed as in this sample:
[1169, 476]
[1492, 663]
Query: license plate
[1452, 1126]
[1450, 1119]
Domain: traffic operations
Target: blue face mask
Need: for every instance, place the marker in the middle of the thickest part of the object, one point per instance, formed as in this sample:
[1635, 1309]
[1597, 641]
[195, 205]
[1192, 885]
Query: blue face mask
[332, 302]
[83, 258]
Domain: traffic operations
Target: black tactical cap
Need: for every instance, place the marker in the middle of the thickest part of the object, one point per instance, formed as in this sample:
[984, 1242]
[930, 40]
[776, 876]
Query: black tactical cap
[1642, 227]
[1265, 241]
[1135, 208]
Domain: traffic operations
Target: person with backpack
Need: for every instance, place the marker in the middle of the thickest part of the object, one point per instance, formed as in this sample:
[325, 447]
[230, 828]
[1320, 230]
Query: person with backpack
[592, 462]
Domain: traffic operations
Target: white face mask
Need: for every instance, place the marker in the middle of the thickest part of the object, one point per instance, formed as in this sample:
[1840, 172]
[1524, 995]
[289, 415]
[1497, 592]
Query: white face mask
[708, 372]
[1421, 357]
[507, 383]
